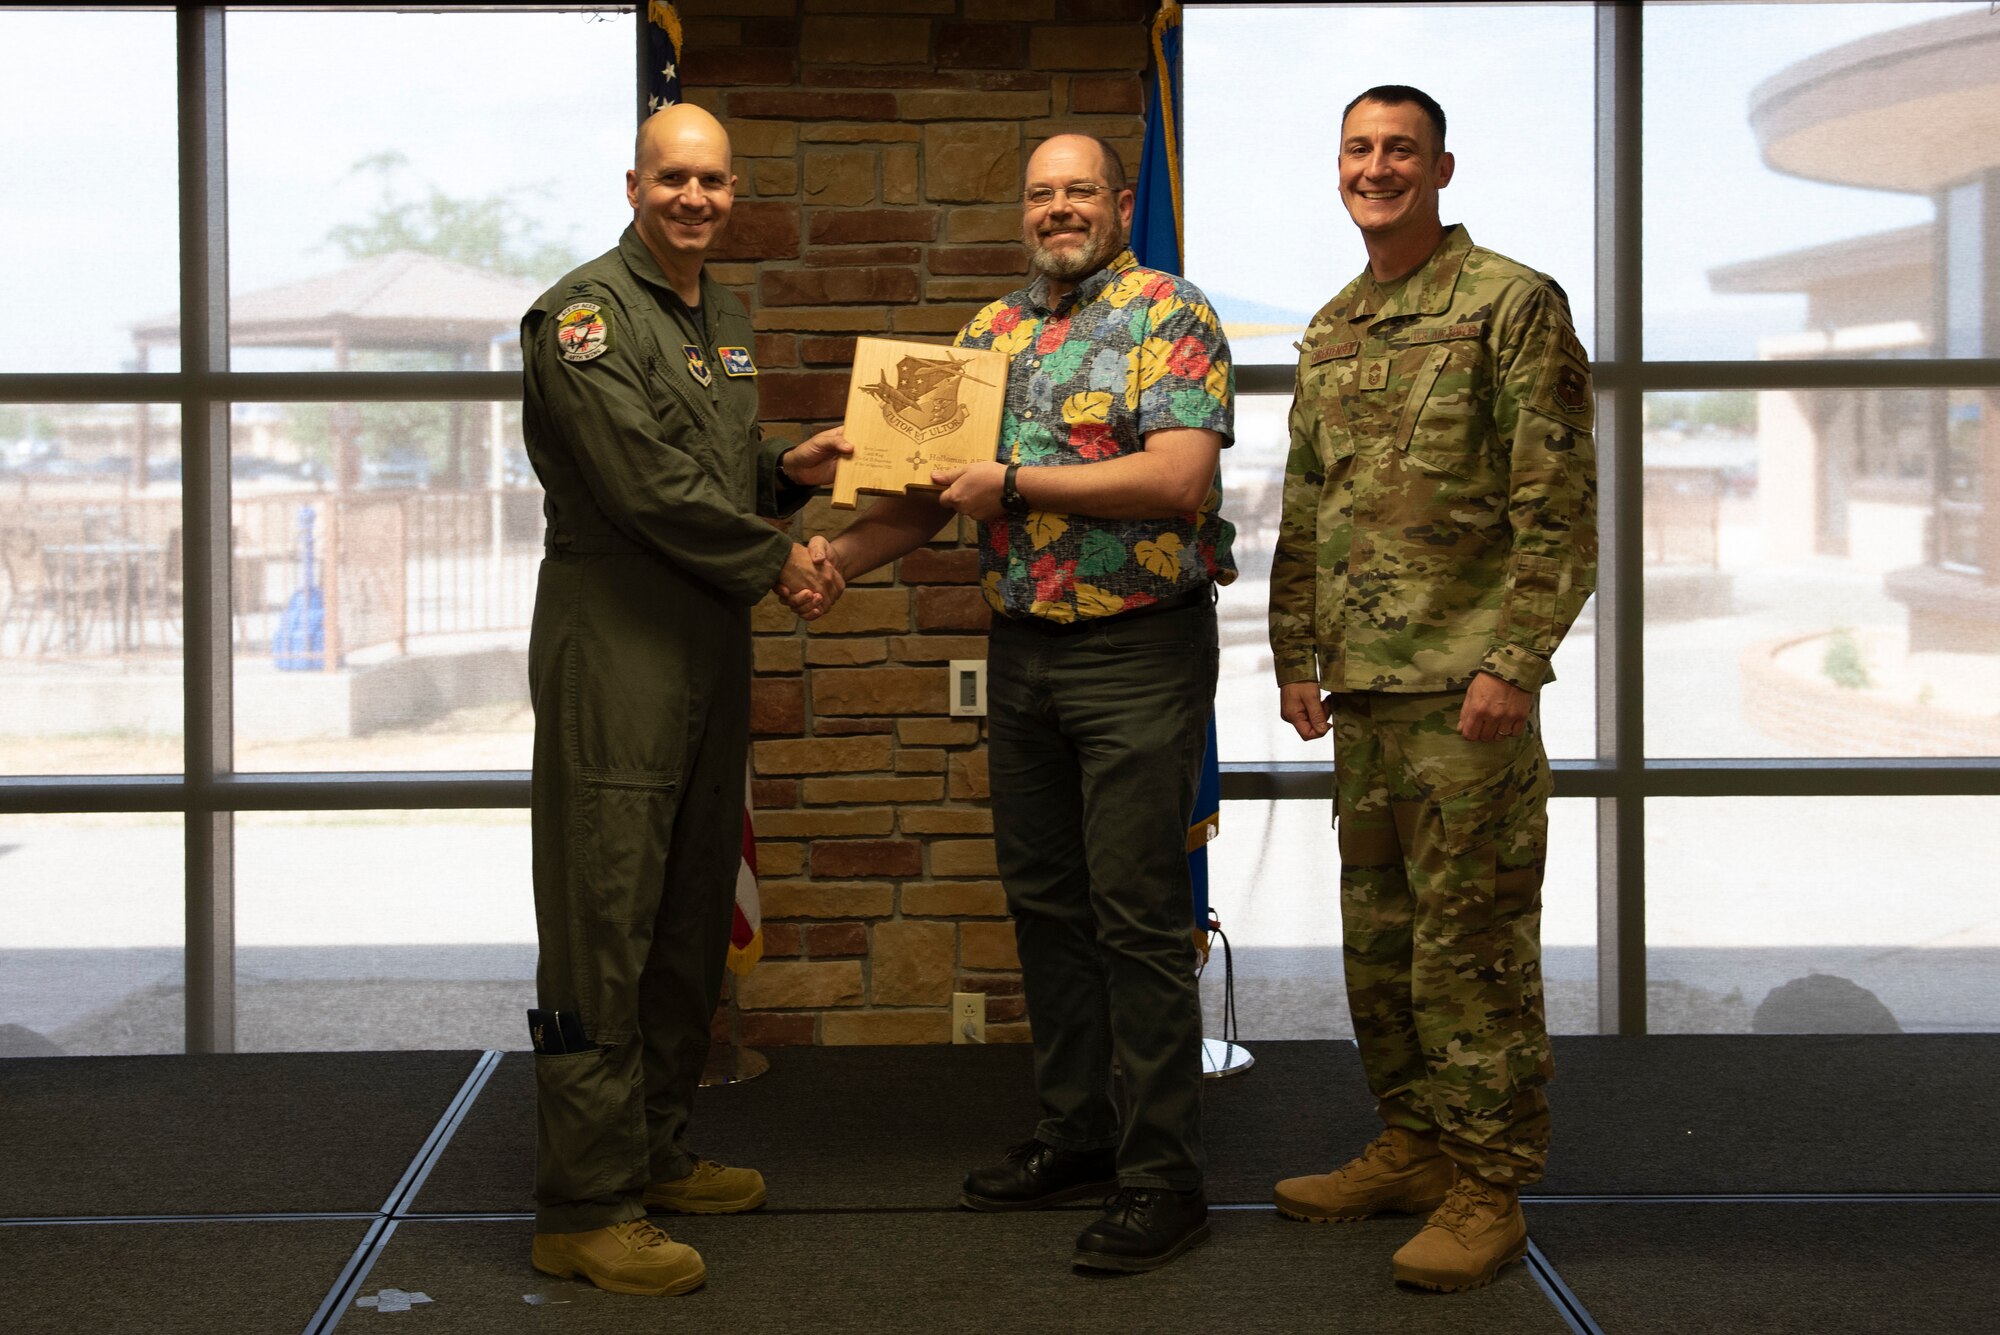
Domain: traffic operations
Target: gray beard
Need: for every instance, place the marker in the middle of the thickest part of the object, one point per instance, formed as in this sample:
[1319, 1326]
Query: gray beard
[1087, 259]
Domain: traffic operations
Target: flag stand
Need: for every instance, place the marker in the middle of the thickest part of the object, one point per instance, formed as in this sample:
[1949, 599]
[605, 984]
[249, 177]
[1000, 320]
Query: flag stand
[731, 1063]
[1220, 1057]
[1223, 1056]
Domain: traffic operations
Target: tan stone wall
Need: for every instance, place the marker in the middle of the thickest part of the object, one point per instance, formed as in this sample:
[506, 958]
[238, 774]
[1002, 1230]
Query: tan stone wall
[879, 148]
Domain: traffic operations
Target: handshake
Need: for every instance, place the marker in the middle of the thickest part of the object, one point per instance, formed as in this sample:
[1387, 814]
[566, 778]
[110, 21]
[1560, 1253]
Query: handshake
[811, 581]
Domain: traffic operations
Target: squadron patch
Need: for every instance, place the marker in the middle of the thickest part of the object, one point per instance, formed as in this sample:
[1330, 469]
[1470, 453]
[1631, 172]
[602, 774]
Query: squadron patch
[581, 332]
[1571, 392]
[1563, 388]
[698, 364]
[736, 361]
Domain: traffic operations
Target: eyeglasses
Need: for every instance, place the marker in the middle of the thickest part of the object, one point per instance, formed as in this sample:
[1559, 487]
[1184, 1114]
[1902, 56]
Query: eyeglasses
[1076, 192]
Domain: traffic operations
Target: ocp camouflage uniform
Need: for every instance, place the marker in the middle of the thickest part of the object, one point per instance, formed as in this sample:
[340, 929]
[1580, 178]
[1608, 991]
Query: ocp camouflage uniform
[1440, 521]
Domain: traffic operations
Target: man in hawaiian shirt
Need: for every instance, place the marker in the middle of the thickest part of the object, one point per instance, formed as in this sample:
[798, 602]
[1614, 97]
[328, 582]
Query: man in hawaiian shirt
[1101, 544]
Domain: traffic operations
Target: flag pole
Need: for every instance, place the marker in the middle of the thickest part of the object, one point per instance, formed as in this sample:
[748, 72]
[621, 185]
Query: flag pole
[1157, 243]
[729, 1062]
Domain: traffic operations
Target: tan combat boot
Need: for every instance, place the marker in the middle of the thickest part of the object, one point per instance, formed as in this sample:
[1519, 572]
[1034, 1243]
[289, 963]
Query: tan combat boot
[712, 1188]
[1401, 1171]
[632, 1257]
[1475, 1232]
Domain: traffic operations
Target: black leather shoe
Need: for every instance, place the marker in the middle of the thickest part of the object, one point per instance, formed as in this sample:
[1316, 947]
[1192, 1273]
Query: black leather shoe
[1034, 1176]
[1143, 1228]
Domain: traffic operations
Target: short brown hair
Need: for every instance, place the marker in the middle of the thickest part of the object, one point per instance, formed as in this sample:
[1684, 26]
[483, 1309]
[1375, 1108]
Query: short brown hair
[1401, 94]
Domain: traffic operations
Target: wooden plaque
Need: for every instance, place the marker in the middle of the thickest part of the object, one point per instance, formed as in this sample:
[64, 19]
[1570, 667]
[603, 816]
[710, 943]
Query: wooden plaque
[913, 407]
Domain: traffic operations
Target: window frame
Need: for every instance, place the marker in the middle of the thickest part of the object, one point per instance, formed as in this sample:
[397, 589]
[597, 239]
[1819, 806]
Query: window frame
[1620, 778]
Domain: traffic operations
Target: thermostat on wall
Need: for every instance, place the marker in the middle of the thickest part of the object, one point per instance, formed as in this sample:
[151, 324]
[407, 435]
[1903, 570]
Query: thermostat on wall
[968, 686]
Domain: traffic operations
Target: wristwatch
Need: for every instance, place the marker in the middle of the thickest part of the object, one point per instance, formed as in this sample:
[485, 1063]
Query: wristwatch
[1011, 499]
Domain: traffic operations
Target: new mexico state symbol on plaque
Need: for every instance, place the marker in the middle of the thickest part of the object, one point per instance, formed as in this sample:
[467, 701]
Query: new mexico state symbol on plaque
[914, 407]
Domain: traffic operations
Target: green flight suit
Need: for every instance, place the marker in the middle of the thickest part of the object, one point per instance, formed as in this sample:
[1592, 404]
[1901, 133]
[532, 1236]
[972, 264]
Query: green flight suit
[639, 665]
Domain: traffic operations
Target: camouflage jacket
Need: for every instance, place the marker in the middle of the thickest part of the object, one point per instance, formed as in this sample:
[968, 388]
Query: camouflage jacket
[1440, 502]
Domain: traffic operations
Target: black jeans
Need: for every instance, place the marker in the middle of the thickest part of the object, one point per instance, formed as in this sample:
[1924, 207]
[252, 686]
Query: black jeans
[1095, 751]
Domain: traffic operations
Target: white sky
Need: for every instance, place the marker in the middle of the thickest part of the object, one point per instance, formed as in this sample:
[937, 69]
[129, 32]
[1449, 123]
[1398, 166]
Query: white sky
[541, 104]
[536, 103]
[1264, 220]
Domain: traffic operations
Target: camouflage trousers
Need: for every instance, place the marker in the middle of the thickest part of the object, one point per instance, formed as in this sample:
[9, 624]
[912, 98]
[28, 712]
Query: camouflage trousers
[1442, 846]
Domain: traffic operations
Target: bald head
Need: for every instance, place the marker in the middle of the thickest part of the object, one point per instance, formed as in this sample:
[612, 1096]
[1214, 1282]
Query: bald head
[1110, 167]
[682, 122]
[681, 190]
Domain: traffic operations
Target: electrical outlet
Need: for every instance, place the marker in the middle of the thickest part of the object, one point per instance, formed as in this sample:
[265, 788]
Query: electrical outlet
[968, 1017]
[968, 687]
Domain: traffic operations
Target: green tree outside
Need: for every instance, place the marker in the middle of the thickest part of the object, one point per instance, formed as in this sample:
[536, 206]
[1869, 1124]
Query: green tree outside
[424, 443]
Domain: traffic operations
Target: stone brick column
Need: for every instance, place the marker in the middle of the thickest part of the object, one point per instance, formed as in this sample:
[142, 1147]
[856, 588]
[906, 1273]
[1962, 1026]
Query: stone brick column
[879, 148]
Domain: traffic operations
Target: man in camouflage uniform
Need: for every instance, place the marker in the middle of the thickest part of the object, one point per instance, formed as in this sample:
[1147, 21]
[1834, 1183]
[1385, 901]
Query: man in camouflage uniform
[1438, 539]
[1101, 544]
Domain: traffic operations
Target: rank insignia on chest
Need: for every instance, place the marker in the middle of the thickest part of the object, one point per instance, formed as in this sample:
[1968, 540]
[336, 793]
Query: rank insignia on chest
[581, 333]
[698, 364]
[1375, 373]
[736, 361]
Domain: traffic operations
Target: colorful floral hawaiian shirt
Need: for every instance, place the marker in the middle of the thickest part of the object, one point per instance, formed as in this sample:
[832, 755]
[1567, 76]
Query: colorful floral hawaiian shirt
[1130, 350]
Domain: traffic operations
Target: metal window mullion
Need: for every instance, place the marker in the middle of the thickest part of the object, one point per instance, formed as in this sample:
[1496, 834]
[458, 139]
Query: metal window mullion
[642, 65]
[1621, 817]
[1860, 373]
[210, 942]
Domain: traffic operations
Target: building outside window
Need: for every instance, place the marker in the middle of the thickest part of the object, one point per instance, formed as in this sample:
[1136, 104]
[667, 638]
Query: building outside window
[225, 801]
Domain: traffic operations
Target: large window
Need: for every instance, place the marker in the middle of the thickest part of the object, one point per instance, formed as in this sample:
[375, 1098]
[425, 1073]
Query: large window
[1774, 223]
[267, 530]
[266, 526]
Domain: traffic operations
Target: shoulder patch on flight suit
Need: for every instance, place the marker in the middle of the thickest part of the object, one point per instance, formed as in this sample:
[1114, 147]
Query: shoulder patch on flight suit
[582, 332]
[697, 364]
[736, 361]
[1562, 390]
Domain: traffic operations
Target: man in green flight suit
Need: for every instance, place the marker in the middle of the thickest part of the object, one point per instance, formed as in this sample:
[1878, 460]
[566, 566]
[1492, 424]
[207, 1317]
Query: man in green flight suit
[640, 416]
[1438, 539]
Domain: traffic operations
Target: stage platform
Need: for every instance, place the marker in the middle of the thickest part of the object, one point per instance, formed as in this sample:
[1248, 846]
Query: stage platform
[1814, 1184]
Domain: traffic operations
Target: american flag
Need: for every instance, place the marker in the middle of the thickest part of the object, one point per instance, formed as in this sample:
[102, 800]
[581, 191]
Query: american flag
[663, 56]
[746, 930]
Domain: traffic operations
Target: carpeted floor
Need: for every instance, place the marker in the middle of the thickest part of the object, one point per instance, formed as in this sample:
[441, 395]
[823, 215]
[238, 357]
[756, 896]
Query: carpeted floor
[235, 1278]
[247, 1134]
[1674, 1113]
[942, 1273]
[896, 1128]
[1827, 1267]
[864, 1147]
[830, 1128]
